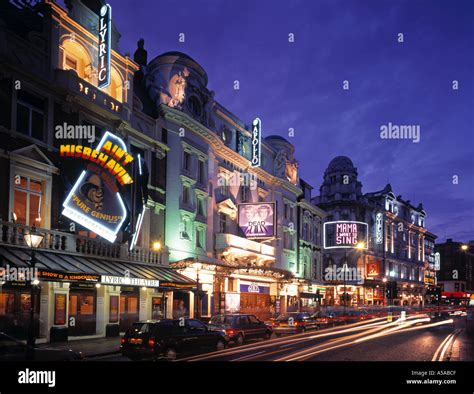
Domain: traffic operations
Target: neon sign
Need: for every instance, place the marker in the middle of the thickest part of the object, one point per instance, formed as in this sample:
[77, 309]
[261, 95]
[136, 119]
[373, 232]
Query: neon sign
[256, 143]
[95, 201]
[105, 33]
[379, 228]
[345, 234]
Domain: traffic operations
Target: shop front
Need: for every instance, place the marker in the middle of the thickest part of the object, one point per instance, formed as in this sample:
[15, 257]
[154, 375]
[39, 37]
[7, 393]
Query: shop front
[95, 299]
[255, 299]
[15, 305]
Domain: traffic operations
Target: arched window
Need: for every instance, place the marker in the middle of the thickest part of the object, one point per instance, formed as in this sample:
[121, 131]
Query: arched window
[76, 57]
[115, 88]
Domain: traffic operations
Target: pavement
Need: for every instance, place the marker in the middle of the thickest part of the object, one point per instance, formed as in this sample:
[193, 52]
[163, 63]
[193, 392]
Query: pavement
[89, 347]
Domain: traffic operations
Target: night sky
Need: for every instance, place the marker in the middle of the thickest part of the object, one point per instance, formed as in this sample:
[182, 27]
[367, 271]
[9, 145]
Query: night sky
[300, 85]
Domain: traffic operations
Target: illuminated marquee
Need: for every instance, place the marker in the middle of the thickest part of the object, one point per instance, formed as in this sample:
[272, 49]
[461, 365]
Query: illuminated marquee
[379, 228]
[257, 220]
[105, 33]
[256, 143]
[95, 201]
[345, 234]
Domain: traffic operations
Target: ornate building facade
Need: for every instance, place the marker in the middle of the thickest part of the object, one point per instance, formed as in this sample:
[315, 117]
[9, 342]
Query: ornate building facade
[398, 247]
[210, 181]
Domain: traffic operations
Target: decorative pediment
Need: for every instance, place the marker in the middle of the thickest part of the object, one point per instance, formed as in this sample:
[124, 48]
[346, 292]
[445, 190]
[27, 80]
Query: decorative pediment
[228, 208]
[32, 156]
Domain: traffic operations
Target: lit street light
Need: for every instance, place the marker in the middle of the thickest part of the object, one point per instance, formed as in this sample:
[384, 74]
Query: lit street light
[33, 239]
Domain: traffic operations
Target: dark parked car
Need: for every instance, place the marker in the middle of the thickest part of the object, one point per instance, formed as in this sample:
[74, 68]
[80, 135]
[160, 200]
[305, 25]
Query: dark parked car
[293, 323]
[169, 339]
[240, 327]
[12, 349]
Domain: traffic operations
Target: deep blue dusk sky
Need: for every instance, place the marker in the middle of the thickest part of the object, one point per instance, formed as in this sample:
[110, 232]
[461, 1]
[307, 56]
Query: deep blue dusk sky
[299, 85]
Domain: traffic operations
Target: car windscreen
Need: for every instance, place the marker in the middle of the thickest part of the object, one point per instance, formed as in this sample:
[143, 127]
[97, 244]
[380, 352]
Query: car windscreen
[221, 319]
[139, 328]
[286, 316]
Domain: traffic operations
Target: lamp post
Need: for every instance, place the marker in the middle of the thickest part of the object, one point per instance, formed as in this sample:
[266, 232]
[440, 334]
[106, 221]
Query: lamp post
[197, 267]
[361, 247]
[384, 280]
[344, 269]
[33, 239]
[157, 248]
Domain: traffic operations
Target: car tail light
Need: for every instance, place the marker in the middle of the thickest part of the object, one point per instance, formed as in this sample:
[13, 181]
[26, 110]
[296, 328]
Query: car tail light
[296, 324]
[151, 342]
[230, 332]
[123, 340]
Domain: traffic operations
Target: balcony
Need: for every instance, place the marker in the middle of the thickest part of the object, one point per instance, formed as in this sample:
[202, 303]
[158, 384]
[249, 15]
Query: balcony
[234, 248]
[69, 80]
[58, 241]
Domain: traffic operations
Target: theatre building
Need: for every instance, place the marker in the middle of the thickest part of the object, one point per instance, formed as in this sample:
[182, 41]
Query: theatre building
[395, 245]
[232, 199]
[83, 172]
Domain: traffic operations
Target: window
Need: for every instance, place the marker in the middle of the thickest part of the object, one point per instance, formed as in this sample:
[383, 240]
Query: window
[222, 223]
[201, 172]
[244, 193]
[201, 208]
[187, 161]
[196, 326]
[253, 320]
[288, 240]
[194, 106]
[70, 63]
[184, 228]
[186, 195]
[113, 314]
[199, 237]
[27, 200]
[30, 115]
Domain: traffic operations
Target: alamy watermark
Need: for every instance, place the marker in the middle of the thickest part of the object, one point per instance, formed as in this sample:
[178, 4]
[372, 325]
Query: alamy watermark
[238, 179]
[400, 132]
[76, 132]
[344, 273]
[13, 274]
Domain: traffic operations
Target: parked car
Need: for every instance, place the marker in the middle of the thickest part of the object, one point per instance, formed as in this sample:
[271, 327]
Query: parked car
[470, 320]
[240, 327]
[294, 323]
[169, 339]
[12, 349]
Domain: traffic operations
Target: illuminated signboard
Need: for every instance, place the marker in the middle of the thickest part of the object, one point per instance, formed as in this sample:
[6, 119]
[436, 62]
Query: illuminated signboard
[345, 234]
[95, 201]
[257, 220]
[256, 143]
[373, 269]
[105, 33]
[437, 263]
[127, 281]
[379, 228]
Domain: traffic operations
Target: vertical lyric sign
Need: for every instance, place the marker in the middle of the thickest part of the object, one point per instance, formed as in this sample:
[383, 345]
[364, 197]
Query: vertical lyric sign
[105, 33]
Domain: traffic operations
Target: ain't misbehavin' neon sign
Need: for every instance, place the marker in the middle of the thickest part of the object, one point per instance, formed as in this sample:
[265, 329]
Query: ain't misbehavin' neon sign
[95, 201]
[105, 35]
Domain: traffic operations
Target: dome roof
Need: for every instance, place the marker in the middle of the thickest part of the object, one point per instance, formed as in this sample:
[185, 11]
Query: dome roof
[177, 53]
[341, 163]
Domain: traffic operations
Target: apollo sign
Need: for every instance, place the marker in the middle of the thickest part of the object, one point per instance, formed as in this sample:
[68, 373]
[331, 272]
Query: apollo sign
[105, 33]
[256, 143]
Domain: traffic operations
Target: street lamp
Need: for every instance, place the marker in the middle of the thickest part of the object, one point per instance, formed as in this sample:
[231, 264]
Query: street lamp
[197, 267]
[464, 247]
[361, 247]
[33, 239]
[157, 248]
